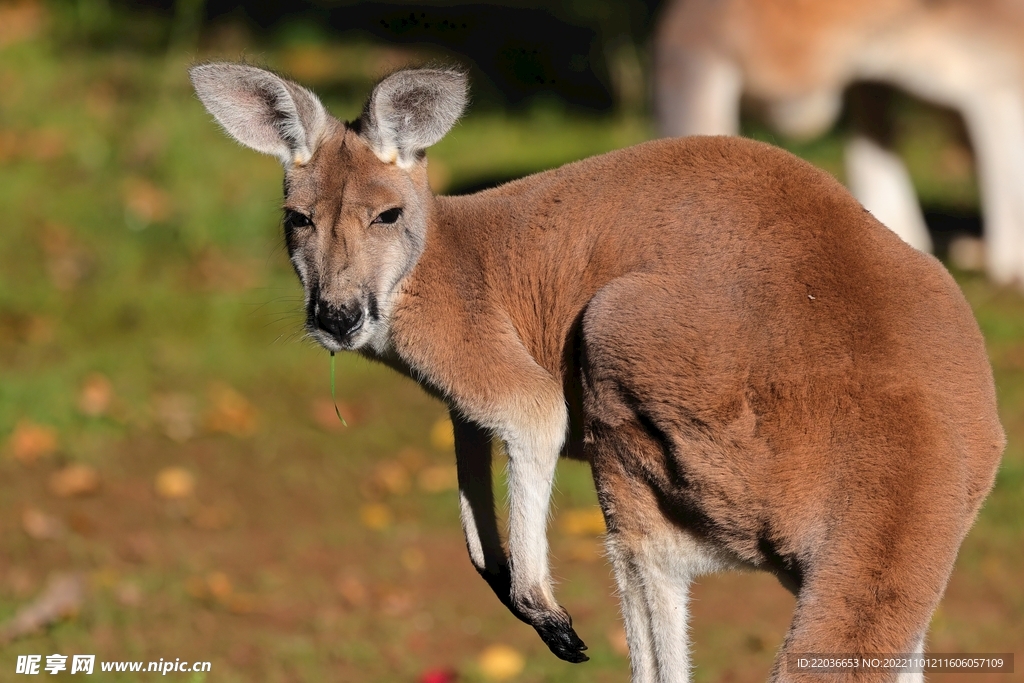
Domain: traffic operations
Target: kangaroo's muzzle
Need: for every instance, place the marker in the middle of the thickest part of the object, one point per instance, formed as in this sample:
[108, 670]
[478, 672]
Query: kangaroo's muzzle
[340, 323]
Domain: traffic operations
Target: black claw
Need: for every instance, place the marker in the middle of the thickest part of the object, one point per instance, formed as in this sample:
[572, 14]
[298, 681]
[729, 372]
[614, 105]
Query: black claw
[553, 628]
[562, 640]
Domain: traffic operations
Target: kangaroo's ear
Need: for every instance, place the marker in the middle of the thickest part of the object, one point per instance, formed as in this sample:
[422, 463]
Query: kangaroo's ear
[262, 110]
[411, 110]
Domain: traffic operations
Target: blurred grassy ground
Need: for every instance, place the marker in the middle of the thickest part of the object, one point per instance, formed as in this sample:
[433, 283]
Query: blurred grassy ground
[149, 319]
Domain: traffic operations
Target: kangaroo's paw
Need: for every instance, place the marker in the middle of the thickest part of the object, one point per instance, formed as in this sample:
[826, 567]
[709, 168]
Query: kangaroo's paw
[557, 633]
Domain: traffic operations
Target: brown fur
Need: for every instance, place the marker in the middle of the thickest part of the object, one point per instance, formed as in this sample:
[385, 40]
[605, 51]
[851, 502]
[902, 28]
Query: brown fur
[762, 361]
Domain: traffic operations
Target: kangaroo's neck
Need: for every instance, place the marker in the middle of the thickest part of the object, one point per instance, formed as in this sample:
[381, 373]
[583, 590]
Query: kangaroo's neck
[496, 268]
[466, 323]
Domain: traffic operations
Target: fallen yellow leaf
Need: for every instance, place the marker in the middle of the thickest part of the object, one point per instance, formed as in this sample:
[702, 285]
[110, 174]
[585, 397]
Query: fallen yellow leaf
[39, 525]
[146, 202]
[397, 603]
[105, 577]
[501, 663]
[74, 480]
[61, 599]
[176, 415]
[352, 591]
[30, 441]
[230, 412]
[391, 477]
[95, 395]
[413, 560]
[412, 458]
[438, 478]
[129, 594]
[174, 483]
[20, 21]
[219, 586]
[375, 516]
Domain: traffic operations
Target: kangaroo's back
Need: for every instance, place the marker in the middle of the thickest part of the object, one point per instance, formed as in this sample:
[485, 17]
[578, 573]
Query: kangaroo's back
[741, 222]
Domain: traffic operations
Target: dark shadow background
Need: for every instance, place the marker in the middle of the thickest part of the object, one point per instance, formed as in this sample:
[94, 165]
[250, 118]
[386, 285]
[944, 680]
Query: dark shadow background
[516, 50]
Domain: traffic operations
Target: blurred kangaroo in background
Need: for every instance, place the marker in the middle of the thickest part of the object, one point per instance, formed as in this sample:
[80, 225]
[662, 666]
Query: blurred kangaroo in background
[798, 56]
[760, 374]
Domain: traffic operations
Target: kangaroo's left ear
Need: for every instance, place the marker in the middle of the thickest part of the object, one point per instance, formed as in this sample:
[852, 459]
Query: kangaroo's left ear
[412, 109]
[262, 110]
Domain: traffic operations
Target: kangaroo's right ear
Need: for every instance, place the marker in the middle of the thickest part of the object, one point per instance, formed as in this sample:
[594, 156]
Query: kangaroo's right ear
[262, 110]
[412, 109]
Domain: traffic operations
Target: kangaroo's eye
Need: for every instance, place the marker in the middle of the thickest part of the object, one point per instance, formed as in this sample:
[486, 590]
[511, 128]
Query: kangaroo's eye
[388, 217]
[294, 220]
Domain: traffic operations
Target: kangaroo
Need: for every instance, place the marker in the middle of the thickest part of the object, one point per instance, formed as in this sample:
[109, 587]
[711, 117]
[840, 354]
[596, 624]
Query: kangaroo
[798, 56]
[759, 373]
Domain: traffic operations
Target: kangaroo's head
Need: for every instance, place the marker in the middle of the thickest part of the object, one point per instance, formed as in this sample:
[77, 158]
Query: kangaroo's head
[357, 202]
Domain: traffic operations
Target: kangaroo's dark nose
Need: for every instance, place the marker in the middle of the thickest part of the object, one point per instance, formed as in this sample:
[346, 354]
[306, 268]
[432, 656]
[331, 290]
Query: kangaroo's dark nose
[338, 322]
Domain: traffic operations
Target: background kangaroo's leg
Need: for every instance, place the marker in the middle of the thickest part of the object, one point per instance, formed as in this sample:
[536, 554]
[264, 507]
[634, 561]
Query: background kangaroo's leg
[696, 93]
[995, 121]
[874, 171]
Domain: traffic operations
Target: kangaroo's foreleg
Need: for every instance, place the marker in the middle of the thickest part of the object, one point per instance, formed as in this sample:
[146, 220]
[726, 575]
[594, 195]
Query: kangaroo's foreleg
[533, 451]
[532, 421]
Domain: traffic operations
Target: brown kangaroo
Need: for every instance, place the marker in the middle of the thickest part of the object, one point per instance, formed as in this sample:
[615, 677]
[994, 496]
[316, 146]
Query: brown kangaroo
[760, 374]
[797, 56]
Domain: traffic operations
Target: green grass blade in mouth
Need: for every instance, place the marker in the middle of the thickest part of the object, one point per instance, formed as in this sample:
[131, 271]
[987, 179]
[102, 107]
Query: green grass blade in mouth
[334, 397]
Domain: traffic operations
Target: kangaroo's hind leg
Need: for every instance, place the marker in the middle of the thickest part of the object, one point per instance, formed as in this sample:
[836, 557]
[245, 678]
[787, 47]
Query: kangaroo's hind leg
[654, 561]
[822, 628]
[654, 558]
[872, 585]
